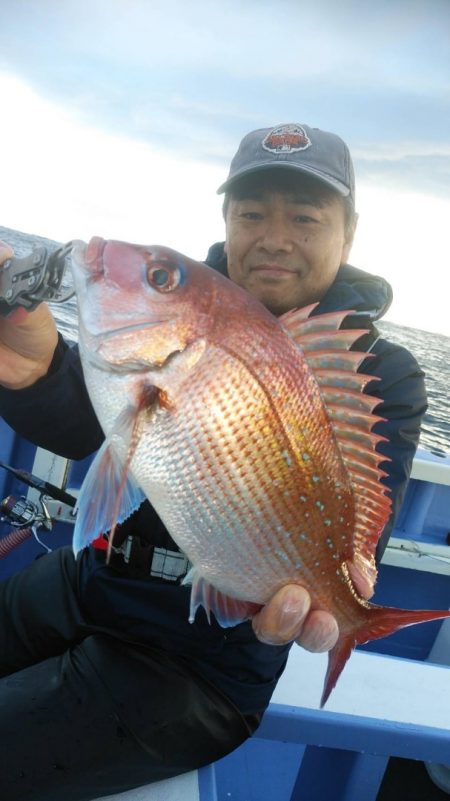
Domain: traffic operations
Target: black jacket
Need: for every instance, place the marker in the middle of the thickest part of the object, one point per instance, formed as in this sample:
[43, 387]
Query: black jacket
[56, 414]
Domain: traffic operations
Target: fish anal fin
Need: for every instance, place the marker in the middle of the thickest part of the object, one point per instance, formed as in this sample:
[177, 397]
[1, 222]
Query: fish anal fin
[378, 622]
[227, 611]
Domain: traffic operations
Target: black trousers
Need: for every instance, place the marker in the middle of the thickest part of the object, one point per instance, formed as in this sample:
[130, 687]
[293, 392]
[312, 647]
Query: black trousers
[84, 714]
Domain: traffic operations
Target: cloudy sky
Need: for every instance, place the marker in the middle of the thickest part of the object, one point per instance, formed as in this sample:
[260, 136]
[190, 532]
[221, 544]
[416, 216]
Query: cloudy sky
[119, 118]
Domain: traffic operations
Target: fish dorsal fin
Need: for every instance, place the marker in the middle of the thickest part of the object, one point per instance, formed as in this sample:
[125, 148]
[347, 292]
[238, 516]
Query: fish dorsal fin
[326, 348]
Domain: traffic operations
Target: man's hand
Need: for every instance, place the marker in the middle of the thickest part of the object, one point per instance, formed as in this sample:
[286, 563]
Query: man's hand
[27, 341]
[288, 617]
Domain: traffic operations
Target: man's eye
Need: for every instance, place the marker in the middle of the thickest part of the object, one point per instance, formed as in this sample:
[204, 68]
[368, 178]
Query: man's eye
[251, 215]
[303, 218]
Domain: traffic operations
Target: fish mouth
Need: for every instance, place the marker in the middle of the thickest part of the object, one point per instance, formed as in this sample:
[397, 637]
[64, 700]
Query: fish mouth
[93, 253]
[89, 257]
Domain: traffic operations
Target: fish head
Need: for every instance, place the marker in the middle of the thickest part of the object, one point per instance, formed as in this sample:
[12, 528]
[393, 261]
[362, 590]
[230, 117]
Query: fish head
[138, 305]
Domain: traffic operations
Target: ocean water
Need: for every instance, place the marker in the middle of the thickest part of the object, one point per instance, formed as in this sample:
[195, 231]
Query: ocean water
[432, 351]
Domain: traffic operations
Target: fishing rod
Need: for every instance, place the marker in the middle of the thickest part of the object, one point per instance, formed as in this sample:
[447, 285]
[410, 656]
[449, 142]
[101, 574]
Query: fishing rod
[24, 515]
[38, 483]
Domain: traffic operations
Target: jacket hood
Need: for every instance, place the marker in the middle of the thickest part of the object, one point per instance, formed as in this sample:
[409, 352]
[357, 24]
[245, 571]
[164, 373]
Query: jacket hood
[369, 296]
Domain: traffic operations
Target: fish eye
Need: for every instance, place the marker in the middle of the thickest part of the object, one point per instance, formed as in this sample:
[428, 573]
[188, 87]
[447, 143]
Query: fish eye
[163, 276]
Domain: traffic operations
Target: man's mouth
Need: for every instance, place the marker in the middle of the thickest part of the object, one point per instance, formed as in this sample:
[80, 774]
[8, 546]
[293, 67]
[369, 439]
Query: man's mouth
[272, 271]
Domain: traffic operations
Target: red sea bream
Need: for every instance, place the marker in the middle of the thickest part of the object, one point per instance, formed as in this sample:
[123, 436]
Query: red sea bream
[249, 434]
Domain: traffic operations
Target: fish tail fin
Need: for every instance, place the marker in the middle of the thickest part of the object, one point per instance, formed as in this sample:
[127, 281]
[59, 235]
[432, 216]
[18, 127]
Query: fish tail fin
[380, 621]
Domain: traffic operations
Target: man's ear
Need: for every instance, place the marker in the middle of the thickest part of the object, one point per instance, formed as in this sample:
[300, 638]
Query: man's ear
[349, 237]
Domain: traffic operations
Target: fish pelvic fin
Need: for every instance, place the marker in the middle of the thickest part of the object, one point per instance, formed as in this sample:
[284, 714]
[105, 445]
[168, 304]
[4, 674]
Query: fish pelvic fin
[227, 611]
[380, 621]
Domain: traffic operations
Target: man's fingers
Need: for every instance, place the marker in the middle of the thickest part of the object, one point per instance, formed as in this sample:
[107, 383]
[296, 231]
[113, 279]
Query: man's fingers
[281, 620]
[18, 315]
[319, 633]
[6, 252]
[287, 617]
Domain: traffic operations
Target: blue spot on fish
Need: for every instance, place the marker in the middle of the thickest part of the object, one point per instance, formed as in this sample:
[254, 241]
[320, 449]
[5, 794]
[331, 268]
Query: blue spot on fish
[287, 458]
[305, 457]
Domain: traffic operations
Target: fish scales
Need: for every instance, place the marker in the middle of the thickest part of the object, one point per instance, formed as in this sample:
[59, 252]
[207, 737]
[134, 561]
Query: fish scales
[211, 409]
[241, 474]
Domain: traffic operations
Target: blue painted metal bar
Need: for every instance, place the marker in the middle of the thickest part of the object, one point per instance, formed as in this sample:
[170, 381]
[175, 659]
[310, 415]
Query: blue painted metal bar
[329, 773]
[354, 733]
[207, 787]
[414, 523]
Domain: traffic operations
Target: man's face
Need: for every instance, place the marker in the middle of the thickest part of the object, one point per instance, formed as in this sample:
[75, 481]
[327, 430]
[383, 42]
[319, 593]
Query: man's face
[285, 245]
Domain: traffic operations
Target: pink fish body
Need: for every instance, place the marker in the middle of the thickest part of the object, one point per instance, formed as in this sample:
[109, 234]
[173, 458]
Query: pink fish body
[250, 435]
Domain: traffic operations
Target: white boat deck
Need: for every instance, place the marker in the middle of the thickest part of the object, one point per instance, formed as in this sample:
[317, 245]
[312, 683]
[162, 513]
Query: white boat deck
[371, 685]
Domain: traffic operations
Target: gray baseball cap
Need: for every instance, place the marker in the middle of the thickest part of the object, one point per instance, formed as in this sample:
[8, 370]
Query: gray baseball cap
[320, 154]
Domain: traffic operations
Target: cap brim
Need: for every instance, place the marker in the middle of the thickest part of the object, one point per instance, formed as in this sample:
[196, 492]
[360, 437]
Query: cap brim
[306, 170]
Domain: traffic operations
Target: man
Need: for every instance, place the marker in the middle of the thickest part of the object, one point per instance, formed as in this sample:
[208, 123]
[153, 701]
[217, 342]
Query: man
[106, 685]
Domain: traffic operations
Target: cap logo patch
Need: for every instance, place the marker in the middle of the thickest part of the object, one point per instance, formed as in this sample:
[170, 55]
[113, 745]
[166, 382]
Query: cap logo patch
[286, 139]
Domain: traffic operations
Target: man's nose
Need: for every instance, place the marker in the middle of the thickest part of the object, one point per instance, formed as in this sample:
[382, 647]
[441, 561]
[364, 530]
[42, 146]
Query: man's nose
[276, 236]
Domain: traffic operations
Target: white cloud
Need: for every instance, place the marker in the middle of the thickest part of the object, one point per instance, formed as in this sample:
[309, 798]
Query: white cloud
[64, 180]
[403, 236]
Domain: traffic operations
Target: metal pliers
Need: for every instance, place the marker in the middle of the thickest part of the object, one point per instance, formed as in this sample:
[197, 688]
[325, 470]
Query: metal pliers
[33, 279]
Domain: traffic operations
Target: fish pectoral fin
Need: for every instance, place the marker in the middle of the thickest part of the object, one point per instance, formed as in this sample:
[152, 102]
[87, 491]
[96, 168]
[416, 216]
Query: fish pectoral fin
[227, 611]
[109, 494]
[107, 497]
